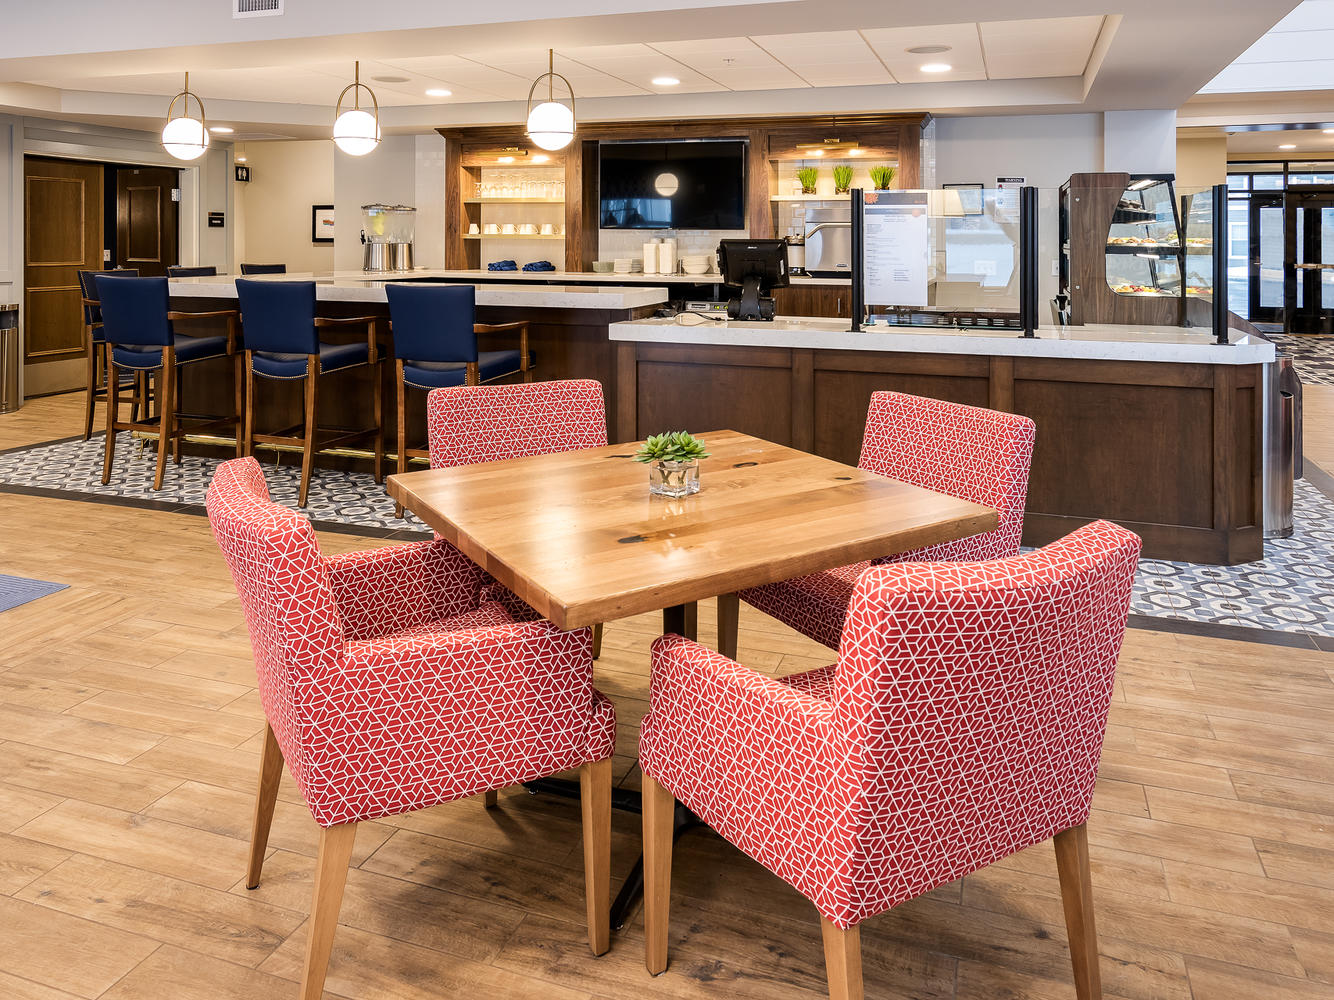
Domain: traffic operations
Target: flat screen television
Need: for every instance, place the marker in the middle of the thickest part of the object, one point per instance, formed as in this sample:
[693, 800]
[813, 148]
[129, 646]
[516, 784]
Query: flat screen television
[687, 184]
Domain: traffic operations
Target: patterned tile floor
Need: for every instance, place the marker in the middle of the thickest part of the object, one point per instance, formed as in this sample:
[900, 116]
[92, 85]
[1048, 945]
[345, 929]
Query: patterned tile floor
[1314, 356]
[1290, 590]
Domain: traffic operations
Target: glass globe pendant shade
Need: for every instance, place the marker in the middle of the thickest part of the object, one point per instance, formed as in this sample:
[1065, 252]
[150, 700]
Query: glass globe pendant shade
[185, 138]
[551, 125]
[356, 132]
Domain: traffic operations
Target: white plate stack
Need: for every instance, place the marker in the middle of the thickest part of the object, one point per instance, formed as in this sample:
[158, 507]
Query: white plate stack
[628, 265]
[695, 263]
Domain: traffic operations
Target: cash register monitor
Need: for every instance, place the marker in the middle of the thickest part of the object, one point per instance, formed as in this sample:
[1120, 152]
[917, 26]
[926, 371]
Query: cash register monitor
[756, 267]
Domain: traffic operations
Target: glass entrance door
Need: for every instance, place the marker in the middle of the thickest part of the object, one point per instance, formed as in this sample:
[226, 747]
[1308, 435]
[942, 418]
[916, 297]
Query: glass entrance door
[1265, 293]
[1309, 254]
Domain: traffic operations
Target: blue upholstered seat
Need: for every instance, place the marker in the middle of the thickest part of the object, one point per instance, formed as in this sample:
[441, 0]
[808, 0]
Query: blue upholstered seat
[332, 358]
[143, 358]
[436, 374]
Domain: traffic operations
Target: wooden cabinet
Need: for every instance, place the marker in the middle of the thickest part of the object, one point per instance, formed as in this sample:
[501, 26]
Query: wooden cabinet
[814, 300]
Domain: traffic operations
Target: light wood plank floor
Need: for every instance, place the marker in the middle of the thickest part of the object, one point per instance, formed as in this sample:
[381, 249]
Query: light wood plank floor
[129, 741]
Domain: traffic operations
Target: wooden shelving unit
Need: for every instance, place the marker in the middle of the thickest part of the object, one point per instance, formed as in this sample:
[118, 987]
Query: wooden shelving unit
[513, 236]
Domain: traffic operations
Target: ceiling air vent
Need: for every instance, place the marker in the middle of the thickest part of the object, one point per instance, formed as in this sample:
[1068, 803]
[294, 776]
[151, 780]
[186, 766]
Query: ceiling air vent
[256, 8]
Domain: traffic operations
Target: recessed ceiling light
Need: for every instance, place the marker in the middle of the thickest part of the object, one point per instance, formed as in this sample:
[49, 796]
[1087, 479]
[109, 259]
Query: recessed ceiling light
[856, 152]
[1288, 145]
[817, 152]
[1328, 131]
[390, 79]
[541, 158]
[665, 81]
[927, 50]
[504, 159]
[438, 92]
[240, 159]
[221, 129]
[937, 68]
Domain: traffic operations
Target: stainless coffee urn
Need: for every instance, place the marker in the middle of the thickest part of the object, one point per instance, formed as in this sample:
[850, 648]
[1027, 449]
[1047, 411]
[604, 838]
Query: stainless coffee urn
[387, 233]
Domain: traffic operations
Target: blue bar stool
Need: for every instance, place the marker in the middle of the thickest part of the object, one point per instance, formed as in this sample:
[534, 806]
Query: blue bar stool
[182, 271]
[95, 349]
[435, 345]
[282, 341]
[263, 268]
[137, 322]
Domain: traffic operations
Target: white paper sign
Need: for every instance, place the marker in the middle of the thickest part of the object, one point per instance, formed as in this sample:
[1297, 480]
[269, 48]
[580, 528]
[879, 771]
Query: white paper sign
[894, 253]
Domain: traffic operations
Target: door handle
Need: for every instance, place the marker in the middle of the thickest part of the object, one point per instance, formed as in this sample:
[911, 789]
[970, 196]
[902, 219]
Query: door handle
[1314, 267]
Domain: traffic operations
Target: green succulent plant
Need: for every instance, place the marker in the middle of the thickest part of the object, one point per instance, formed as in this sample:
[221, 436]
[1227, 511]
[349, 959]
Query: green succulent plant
[842, 179]
[808, 176]
[671, 446]
[883, 177]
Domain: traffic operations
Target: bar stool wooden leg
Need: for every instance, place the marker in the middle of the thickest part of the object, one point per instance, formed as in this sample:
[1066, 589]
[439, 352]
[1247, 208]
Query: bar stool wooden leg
[248, 447]
[378, 403]
[113, 403]
[91, 402]
[270, 774]
[729, 613]
[595, 797]
[176, 438]
[238, 373]
[335, 855]
[401, 391]
[308, 445]
[167, 405]
[659, 817]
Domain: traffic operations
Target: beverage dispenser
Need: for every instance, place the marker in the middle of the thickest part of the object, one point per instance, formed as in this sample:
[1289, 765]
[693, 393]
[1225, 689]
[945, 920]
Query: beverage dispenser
[387, 232]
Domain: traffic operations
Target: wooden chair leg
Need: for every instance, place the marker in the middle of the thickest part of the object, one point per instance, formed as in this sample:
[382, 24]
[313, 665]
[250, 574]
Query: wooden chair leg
[270, 774]
[1072, 864]
[659, 821]
[238, 373]
[491, 799]
[597, 641]
[166, 386]
[113, 404]
[91, 402]
[330, 878]
[401, 391]
[378, 404]
[176, 438]
[729, 612]
[308, 445]
[248, 448]
[595, 798]
[843, 960]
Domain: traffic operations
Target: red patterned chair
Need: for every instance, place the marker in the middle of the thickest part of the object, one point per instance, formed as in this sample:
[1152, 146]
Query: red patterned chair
[397, 679]
[963, 451]
[963, 722]
[490, 423]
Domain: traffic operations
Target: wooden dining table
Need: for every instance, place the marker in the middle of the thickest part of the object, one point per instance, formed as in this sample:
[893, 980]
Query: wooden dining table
[580, 539]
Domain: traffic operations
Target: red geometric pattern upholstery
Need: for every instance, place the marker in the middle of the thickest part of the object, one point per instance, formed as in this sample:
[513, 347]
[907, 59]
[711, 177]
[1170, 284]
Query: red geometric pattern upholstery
[490, 423]
[963, 722]
[390, 681]
[962, 451]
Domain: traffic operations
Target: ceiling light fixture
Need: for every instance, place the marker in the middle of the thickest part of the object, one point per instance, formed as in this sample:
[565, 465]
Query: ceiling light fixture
[1288, 145]
[541, 158]
[504, 159]
[937, 68]
[221, 129]
[439, 92]
[665, 81]
[928, 50]
[184, 137]
[390, 79]
[551, 123]
[356, 132]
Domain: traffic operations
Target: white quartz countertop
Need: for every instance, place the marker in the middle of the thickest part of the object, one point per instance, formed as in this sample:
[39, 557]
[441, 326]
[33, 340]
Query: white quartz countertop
[358, 286]
[1095, 343]
[578, 277]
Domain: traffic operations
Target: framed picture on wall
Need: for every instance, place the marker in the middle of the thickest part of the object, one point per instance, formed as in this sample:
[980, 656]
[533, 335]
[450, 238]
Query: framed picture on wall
[321, 223]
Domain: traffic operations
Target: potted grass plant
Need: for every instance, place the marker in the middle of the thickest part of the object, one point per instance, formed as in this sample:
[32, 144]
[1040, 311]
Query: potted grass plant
[809, 177]
[673, 461]
[883, 177]
[842, 179]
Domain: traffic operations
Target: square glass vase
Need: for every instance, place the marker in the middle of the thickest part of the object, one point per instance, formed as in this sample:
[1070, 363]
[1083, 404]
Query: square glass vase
[673, 479]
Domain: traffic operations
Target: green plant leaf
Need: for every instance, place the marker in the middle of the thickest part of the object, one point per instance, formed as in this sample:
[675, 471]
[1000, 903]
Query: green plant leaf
[671, 446]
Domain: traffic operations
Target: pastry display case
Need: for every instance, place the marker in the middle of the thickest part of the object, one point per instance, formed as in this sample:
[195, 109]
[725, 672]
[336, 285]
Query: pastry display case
[1123, 251]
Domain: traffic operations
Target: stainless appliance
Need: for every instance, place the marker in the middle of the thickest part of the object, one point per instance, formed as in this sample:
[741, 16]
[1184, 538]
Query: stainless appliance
[1282, 442]
[829, 241]
[387, 232]
[796, 254]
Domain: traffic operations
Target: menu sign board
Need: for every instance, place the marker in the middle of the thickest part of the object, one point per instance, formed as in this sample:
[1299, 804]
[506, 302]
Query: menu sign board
[895, 247]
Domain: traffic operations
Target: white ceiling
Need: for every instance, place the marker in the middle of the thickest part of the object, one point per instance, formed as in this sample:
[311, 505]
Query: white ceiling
[1296, 54]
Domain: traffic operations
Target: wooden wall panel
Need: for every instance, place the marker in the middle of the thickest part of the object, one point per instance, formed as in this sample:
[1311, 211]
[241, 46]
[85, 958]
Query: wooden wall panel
[707, 397]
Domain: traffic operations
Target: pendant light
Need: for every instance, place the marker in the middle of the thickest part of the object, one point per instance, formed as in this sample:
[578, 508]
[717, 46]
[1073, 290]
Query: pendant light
[551, 123]
[356, 132]
[184, 137]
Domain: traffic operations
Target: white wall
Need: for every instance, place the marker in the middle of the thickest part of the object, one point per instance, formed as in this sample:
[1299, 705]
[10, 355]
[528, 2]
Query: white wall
[1201, 163]
[286, 179]
[1045, 149]
[1140, 142]
[387, 175]
[429, 201]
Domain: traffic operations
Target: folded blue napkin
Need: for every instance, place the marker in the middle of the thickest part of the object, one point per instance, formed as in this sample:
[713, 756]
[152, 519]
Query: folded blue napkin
[502, 265]
[540, 265]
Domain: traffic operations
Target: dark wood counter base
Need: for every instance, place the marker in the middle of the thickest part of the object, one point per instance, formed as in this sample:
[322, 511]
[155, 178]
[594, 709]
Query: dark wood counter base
[1171, 451]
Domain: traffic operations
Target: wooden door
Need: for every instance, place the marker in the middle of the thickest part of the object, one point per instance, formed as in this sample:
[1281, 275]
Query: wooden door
[146, 218]
[62, 236]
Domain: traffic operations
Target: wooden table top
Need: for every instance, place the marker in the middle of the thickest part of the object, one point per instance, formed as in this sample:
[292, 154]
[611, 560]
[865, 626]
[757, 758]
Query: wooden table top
[577, 535]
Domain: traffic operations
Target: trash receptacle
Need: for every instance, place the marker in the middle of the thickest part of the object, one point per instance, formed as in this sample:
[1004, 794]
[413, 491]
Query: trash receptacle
[9, 358]
[1282, 433]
